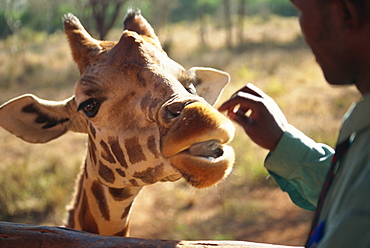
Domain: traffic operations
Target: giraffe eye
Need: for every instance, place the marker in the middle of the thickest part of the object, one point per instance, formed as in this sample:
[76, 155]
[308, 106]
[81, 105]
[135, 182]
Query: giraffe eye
[90, 107]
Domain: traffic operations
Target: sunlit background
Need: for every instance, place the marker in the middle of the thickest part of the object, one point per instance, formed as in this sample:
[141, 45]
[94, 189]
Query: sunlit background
[256, 41]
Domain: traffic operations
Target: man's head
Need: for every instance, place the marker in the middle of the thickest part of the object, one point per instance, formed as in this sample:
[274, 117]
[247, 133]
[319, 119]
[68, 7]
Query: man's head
[338, 32]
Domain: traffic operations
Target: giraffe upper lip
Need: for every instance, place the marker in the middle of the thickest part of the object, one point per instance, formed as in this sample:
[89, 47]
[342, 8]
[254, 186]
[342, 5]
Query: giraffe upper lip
[199, 130]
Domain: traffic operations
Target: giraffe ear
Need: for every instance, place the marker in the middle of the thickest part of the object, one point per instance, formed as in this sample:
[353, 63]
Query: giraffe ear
[134, 21]
[39, 121]
[82, 45]
[209, 83]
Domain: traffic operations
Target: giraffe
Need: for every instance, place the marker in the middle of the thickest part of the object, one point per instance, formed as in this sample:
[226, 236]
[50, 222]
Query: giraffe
[147, 119]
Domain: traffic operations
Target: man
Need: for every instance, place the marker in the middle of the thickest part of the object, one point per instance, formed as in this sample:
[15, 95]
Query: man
[338, 32]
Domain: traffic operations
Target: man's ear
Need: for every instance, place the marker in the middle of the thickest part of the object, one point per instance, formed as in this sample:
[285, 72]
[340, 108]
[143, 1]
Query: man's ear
[348, 14]
[209, 83]
[38, 121]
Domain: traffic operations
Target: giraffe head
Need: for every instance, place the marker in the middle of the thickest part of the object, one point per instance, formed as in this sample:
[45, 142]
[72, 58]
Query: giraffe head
[147, 118]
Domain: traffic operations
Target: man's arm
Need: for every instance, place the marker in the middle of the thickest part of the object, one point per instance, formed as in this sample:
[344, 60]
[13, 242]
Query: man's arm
[299, 165]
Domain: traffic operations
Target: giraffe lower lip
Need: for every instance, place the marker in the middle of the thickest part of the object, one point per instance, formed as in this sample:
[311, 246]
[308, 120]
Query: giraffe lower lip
[204, 171]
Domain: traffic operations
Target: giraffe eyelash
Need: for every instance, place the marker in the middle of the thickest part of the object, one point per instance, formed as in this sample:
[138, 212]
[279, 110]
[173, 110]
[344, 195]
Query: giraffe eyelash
[90, 107]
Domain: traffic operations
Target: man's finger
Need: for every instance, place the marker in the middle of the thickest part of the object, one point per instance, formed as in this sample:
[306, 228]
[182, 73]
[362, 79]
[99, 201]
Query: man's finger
[245, 100]
[253, 90]
[242, 120]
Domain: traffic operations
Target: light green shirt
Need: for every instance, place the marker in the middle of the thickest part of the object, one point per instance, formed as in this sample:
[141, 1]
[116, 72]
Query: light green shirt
[299, 165]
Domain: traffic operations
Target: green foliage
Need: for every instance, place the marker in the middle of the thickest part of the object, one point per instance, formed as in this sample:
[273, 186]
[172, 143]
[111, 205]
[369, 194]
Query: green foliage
[268, 7]
[189, 9]
[50, 21]
[46, 16]
[4, 28]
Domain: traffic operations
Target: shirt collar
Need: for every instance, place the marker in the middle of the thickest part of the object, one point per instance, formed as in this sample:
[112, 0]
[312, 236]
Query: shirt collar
[356, 119]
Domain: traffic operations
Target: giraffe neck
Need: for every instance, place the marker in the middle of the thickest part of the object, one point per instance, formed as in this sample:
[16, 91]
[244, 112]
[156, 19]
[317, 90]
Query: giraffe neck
[106, 188]
[100, 209]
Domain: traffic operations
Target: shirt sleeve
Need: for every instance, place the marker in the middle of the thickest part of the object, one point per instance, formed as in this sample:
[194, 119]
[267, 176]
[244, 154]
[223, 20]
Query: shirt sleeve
[299, 166]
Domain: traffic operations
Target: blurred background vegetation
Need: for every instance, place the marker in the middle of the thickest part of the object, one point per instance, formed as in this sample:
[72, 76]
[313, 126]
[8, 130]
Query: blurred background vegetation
[100, 16]
[255, 41]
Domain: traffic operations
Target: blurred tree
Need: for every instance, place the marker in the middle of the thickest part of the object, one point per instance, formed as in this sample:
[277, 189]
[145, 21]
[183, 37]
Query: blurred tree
[158, 15]
[11, 14]
[241, 17]
[202, 26]
[51, 10]
[105, 13]
[99, 16]
[169, 11]
[160, 11]
[228, 23]
[268, 7]
[203, 9]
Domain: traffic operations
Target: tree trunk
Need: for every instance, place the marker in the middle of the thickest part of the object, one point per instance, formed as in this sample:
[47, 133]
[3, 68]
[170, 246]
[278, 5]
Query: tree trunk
[228, 23]
[241, 16]
[100, 10]
[202, 28]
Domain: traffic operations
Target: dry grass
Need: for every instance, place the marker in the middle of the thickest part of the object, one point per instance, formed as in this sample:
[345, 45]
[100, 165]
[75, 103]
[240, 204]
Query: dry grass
[37, 180]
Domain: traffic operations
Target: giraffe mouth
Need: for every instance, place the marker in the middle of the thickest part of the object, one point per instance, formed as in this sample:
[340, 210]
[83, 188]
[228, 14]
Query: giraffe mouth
[196, 145]
[210, 149]
[205, 163]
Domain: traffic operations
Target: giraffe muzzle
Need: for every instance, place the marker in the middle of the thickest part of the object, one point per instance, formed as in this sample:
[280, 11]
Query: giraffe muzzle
[196, 145]
[198, 125]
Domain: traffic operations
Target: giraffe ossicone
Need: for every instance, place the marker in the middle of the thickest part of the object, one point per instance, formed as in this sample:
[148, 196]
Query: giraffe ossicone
[147, 120]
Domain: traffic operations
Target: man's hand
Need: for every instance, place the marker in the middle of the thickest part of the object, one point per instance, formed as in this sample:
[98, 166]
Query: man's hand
[258, 114]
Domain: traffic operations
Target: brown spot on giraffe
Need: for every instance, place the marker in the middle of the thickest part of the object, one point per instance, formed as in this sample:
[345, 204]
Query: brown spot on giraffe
[134, 182]
[145, 102]
[92, 130]
[100, 198]
[86, 219]
[85, 170]
[126, 212]
[120, 194]
[134, 150]
[149, 175]
[124, 232]
[152, 145]
[77, 197]
[121, 173]
[92, 150]
[117, 151]
[106, 173]
[105, 153]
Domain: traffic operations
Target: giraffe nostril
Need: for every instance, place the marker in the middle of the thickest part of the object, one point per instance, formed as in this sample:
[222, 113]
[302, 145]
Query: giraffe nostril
[174, 110]
[188, 102]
